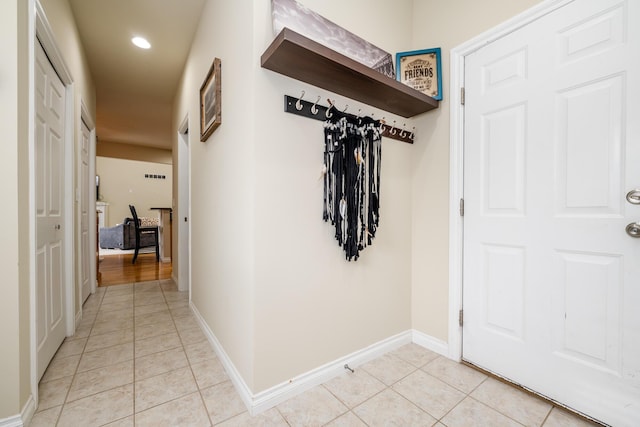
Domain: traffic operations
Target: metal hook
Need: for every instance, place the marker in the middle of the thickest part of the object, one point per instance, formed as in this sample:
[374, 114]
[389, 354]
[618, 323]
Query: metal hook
[403, 133]
[393, 128]
[412, 135]
[298, 103]
[327, 114]
[314, 108]
[345, 108]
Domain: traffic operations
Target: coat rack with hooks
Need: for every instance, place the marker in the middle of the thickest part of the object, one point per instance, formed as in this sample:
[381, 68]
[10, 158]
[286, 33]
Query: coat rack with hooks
[313, 110]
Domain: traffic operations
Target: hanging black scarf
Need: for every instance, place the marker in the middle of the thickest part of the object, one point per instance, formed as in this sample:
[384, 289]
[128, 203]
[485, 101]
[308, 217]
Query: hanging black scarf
[352, 179]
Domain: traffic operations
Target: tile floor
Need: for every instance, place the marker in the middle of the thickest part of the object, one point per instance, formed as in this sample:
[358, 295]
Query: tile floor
[139, 358]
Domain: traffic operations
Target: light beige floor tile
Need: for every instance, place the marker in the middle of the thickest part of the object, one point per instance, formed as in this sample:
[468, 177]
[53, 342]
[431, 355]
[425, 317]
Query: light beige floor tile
[46, 418]
[146, 310]
[561, 418]
[151, 285]
[71, 347]
[188, 411]
[471, 413]
[110, 339]
[462, 377]
[354, 388]
[416, 355]
[125, 422]
[60, 368]
[315, 407]
[101, 379]
[177, 302]
[390, 409]
[105, 326]
[106, 356]
[118, 298]
[115, 306]
[119, 289]
[181, 311]
[53, 393]
[152, 298]
[98, 409]
[149, 330]
[108, 316]
[191, 336]
[347, 420]
[199, 352]
[168, 286]
[209, 373]
[429, 393]
[270, 418]
[184, 323]
[83, 330]
[159, 363]
[389, 368]
[222, 402]
[163, 388]
[157, 344]
[516, 404]
[153, 318]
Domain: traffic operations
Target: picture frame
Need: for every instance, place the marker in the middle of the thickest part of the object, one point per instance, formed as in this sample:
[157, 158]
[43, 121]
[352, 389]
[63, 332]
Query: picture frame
[421, 70]
[210, 101]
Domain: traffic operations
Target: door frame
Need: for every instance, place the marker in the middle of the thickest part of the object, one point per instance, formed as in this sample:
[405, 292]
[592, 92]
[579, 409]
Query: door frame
[456, 157]
[40, 31]
[184, 162]
[85, 117]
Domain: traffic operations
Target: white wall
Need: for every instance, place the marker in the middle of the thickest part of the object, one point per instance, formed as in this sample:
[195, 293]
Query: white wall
[123, 183]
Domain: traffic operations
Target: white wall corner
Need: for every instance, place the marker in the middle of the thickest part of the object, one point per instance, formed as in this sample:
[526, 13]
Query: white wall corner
[430, 343]
[22, 419]
[264, 400]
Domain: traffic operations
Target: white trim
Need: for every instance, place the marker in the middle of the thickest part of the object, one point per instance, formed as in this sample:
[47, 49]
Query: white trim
[277, 394]
[40, 30]
[85, 117]
[183, 138]
[456, 155]
[430, 343]
[15, 421]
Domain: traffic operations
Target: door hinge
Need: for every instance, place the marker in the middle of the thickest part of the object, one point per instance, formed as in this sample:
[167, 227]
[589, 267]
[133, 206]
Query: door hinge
[461, 96]
[460, 317]
[461, 207]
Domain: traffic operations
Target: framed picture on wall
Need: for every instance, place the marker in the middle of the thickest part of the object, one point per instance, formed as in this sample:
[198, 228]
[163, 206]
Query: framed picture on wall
[421, 70]
[210, 97]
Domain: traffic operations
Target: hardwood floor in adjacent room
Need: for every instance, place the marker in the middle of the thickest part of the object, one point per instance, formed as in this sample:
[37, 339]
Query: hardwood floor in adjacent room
[117, 269]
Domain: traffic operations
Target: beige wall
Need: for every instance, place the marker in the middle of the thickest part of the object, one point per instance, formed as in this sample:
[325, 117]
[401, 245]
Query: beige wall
[122, 183]
[133, 152]
[15, 359]
[11, 369]
[453, 23]
[269, 280]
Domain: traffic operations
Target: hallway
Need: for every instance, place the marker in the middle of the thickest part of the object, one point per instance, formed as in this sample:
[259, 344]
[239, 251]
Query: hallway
[140, 357]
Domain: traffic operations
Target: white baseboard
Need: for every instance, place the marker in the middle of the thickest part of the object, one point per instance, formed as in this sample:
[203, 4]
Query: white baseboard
[275, 395]
[165, 259]
[430, 343]
[28, 410]
[23, 418]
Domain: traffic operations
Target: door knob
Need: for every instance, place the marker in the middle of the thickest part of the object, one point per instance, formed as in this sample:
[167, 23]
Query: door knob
[633, 197]
[633, 229]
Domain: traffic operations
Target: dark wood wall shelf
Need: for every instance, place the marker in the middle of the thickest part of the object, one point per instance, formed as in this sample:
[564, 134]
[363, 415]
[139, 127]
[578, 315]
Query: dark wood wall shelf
[301, 58]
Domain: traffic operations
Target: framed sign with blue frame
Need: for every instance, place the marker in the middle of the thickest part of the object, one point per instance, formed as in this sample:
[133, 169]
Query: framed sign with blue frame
[421, 70]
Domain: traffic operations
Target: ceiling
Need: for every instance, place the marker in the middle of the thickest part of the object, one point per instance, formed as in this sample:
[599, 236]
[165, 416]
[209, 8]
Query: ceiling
[135, 87]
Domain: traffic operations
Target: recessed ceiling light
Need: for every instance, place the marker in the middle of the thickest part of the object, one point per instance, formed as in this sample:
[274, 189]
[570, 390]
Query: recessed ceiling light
[141, 42]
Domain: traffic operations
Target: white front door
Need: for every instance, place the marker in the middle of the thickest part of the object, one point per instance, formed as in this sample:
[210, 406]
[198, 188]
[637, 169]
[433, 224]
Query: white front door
[551, 292]
[49, 175]
[85, 181]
